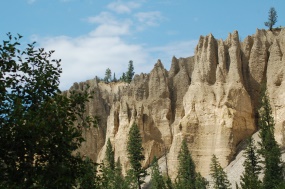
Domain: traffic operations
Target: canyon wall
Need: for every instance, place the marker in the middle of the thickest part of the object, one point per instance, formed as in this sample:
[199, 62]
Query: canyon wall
[210, 99]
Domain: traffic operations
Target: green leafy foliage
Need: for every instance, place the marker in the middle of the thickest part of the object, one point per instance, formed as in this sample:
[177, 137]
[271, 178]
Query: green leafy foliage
[40, 128]
[88, 177]
[269, 149]
[249, 178]
[135, 155]
[218, 175]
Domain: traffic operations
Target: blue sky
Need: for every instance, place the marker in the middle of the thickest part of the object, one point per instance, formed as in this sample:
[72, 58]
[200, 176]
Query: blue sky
[93, 35]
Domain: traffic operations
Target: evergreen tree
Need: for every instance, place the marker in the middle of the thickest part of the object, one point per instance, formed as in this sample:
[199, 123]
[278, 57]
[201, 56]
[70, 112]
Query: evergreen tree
[110, 156]
[156, 181]
[108, 167]
[201, 182]
[130, 73]
[88, 178]
[114, 78]
[249, 178]
[272, 18]
[123, 78]
[119, 180]
[186, 169]
[108, 75]
[218, 175]
[269, 149]
[168, 183]
[135, 155]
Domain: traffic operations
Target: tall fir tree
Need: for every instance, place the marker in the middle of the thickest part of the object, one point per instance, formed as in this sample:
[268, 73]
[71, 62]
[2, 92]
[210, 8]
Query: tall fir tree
[186, 169]
[201, 182]
[220, 179]
[88, 177]
[249, 178]
[112, 171]
[114, 77]
[108, 74]
[156, 181]
[108, 167]
[130, 73]
[123, 78]
[269, 149]
[110, 155]
[135, 155]
[119, 180]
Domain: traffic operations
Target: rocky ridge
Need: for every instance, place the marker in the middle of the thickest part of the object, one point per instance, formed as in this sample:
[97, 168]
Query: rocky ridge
[210, 99]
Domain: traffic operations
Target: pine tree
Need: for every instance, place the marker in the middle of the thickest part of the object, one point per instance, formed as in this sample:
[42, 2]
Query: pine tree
[156, 181]
[108, 75]
[108, 167]
[218, 175]
[119, 180]
[110, 156]
[89, 178]
[269, 149]
[114, 78]
[201, 182]
[130, 73]
[135, 155]
[168, 183]
[186, 169]
[249, 178]
[123, 78]
[272, 18]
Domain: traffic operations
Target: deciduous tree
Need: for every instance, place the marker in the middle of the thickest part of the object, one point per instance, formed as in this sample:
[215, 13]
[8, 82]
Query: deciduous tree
[40, 127]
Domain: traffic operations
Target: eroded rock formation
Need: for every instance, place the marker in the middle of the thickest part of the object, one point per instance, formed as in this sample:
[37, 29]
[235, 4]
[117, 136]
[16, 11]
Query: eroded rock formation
[210, 99]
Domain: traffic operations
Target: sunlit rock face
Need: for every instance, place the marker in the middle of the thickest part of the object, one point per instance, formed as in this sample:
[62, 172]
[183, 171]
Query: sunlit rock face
[211, 99]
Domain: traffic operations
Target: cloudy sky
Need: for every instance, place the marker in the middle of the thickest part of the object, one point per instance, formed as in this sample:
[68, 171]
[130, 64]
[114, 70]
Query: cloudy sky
[93, 35]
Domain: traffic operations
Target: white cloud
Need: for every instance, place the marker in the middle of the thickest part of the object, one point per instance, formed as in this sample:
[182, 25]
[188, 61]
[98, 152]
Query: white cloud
[149, 18]
[87, 56]
[103, 18]
[31, 1]
[123, 7]
[177, 49]
[105, 30]
[108, 25]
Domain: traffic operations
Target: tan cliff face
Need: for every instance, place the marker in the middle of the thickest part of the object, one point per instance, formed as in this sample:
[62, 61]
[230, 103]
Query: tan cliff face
[210, 99]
